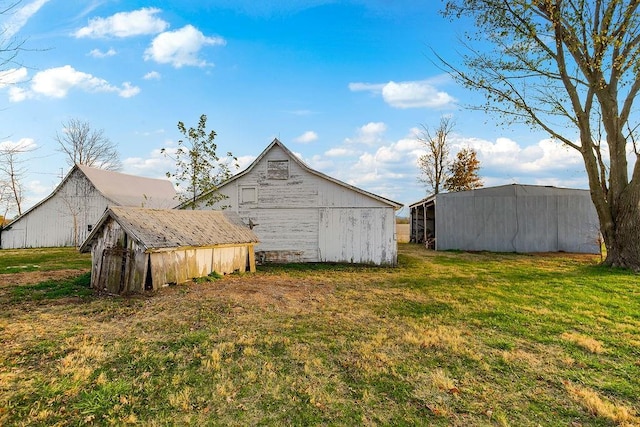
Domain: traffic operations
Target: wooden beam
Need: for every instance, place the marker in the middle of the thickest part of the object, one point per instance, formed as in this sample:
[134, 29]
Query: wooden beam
[252, 258]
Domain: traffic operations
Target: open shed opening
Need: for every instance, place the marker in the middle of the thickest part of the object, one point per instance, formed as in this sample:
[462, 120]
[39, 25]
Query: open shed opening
[423, 223]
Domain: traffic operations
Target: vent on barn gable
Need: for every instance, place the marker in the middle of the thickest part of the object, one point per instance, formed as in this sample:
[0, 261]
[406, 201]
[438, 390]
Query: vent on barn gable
[278, 169]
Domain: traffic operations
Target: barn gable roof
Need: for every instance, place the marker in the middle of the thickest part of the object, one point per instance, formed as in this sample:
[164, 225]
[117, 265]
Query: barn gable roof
[119, 189]
[130, 190]
[276, 142]
[157, 229]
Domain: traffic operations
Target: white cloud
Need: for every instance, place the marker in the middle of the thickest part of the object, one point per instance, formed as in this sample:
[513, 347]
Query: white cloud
[97, 53]
[155, 166]
[57, 82]
[301, 112]
[369, 134]
[340, 152]
[244, 162]
[307, 137]
[152, 75]
[18, 94]
[21, 145]
[367, 87]
[125, 24]
[180, 47]
[13, 76]
[19, 18]
[409, 94]
[507, 156]
[128, 90]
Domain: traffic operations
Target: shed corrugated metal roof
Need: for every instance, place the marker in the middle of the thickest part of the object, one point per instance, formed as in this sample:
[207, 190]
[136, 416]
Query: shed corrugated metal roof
[504, 191]
[168, 228]
[131, 190]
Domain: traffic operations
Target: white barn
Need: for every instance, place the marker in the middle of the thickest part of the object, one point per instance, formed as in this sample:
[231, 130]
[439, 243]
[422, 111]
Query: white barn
[302, 215]
[508, 218]
[68, 214]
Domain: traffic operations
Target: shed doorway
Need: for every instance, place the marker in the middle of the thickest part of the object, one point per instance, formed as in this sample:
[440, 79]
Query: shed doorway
[423, 223]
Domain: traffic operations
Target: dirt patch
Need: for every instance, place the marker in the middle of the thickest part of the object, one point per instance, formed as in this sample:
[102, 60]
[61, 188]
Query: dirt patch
[246, 290]
[292, 293]
[33, 277]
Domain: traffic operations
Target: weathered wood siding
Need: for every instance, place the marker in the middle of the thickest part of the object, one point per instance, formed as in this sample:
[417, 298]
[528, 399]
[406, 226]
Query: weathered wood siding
[61, 220]
[120, 265]
[183, 265]
[357, 236]
[294, 218]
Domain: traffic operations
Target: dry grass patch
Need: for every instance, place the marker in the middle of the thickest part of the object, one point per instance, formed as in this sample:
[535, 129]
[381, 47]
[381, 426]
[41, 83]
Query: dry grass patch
[602, 407]
[437, 337]
[590, 344]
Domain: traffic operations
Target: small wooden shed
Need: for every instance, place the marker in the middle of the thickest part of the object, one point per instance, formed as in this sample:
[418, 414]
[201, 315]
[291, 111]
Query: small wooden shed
[136, 249]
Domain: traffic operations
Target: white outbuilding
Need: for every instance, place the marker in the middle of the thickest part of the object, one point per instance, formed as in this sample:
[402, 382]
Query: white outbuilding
[302, 215]
[508, 218]
[69, 213]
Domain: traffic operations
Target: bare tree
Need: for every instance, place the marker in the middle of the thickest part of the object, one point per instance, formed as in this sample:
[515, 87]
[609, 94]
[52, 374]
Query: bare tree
[5, 202]
[12, 172]
[434, 163]
[571, 69]
[463, 171]
[9, 46]
[84, 145]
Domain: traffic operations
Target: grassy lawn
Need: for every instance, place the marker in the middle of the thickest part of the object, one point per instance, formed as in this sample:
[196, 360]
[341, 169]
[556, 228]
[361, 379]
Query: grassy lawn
[444, 339]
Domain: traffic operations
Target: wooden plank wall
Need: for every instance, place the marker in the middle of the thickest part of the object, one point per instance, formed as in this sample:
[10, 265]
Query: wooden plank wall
[181, 266]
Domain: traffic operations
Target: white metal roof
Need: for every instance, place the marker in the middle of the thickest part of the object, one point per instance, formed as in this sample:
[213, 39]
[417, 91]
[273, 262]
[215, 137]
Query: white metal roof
[131, 190]
[503, 190]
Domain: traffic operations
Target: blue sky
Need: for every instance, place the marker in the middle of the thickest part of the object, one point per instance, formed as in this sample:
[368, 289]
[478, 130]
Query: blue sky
[344, 84]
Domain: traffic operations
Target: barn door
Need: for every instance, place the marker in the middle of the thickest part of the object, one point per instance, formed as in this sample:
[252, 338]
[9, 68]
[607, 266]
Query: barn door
[114, 270]
[357, 235]
[340, 235]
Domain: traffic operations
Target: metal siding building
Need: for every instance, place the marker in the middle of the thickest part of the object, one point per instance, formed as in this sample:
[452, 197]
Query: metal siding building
[136, 249]
[509, 218]
[302, 215]
[65, 217]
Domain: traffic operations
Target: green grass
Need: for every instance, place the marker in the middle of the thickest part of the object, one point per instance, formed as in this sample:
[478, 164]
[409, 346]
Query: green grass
[444, 339]
[53, 289]
[25, 260]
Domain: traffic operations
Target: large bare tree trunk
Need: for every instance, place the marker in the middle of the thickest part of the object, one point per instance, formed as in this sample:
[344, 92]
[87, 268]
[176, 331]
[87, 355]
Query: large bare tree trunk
[622, 237]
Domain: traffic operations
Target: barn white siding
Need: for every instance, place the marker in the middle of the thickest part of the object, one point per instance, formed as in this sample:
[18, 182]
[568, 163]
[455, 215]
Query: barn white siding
[362, 236]
[64, 217]
[301, 215]
[61, 220]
